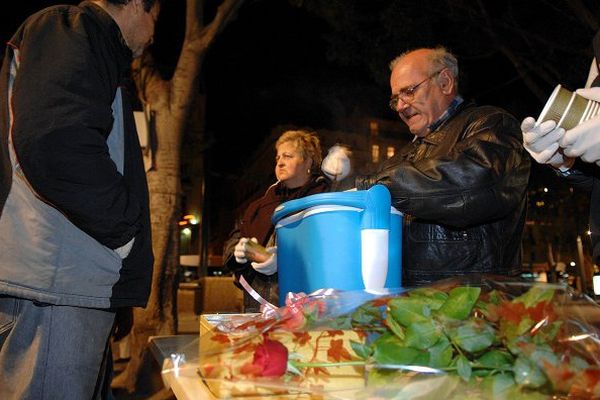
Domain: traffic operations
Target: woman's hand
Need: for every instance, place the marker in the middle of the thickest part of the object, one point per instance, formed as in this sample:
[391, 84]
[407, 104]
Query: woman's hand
[268, 267]
[239, 252]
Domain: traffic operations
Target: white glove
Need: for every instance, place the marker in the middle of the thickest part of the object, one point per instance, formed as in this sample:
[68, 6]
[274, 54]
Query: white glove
[268, 267]
[124, 250]
[239, 252]
[541, 141]
[584, 140]
[336, 165]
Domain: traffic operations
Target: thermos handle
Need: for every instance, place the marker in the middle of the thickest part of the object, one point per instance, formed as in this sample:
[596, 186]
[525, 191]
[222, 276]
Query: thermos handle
[376, 203]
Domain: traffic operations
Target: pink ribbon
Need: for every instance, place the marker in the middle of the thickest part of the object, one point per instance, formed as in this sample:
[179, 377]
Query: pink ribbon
[266, 308]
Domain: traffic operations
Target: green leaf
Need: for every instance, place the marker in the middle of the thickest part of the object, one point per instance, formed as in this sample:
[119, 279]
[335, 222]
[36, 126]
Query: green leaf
[535, 295]
[482, 373]
[496, 359]
[422, 335]
[525, 325]
[548, 332]
[422, 359]
[407, 310]
[463, 367]
[482, 305]
[499, 386]
[366, 314]
[361, 350]
[388, 349]
[517, 345]
[343, 322]
[528, 374]
[394, 326]
[512, 331]
[543, 353]
[440, 355]
[495, 297]
[473, 335]
[433, 297]
[460, 302]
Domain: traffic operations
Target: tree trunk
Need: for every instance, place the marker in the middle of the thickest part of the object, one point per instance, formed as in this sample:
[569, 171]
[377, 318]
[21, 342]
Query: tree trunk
[158, 318]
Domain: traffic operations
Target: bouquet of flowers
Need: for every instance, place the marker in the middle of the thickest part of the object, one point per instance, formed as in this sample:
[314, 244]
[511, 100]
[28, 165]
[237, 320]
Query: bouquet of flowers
[477, 337]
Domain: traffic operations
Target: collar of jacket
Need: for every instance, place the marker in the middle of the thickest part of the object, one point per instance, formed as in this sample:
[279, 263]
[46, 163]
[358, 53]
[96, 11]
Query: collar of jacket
[314, 181]
[437, 136]
[450, 111]
[111, 30]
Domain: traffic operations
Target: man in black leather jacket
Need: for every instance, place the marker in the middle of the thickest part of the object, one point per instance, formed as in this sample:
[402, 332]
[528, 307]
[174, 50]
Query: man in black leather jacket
[461, 182]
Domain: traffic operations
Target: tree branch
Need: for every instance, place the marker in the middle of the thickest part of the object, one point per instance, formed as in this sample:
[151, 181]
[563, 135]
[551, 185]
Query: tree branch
[584, 14]
[196, 43]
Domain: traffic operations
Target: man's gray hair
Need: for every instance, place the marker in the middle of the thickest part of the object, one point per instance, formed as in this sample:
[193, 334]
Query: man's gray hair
[439, 59]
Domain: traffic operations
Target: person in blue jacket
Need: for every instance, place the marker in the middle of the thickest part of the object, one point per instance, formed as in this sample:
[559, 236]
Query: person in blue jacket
[75, 242]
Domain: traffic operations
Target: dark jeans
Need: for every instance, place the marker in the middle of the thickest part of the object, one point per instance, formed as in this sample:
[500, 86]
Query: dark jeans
[52, 352]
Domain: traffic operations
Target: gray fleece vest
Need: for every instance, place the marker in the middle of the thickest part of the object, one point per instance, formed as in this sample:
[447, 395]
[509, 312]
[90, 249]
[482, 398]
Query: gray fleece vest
[46, 257]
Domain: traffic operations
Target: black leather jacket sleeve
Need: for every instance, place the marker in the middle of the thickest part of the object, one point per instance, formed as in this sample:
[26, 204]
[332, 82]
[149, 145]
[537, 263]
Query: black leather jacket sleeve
[472, 170]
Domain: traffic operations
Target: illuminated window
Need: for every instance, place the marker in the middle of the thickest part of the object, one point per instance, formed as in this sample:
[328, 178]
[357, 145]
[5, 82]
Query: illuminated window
[374, 128]
[390, 151]
[375, 153]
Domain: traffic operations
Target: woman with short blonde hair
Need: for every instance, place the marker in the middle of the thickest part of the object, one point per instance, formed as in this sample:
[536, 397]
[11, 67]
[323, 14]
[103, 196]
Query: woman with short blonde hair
[297, 168]
[308, 144]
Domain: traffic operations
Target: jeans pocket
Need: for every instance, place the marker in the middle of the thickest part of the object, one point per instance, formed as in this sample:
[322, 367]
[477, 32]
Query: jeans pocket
[9, 306]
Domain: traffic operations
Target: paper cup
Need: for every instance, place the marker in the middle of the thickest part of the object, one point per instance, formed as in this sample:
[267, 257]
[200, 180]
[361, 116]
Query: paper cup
[568, 109]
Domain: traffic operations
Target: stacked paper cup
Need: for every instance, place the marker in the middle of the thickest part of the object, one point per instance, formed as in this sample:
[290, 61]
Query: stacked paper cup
[568, 109]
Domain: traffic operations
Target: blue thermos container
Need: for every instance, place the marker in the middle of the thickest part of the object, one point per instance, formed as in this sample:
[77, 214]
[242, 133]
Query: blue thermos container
[343, 240]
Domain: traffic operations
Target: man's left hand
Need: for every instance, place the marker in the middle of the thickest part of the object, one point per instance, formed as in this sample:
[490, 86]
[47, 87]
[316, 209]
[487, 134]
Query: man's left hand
[584, 140]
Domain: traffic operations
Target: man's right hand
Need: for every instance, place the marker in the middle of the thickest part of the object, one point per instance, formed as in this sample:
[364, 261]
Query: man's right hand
[541, 141]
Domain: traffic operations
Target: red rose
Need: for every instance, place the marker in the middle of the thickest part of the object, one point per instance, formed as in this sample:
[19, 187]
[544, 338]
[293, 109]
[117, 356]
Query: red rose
[270, 359]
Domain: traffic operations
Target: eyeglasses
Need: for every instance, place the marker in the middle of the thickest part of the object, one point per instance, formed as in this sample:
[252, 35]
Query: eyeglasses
[408, 95]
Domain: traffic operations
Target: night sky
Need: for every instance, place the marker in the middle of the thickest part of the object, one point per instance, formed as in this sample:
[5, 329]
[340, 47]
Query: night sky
[268, 67]
[278, 63]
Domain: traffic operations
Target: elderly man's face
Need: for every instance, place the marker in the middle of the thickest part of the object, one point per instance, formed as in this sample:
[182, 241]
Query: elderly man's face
[420, 99]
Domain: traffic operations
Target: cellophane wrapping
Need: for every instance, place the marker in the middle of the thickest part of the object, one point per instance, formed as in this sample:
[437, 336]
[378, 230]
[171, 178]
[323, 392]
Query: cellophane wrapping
[475, 337]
